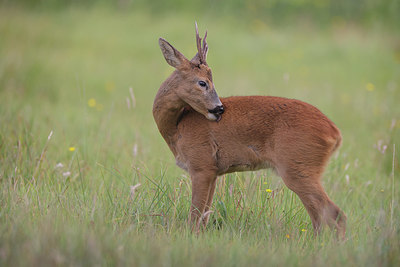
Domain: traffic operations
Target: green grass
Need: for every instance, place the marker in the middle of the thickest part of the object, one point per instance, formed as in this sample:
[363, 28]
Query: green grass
[67, 207]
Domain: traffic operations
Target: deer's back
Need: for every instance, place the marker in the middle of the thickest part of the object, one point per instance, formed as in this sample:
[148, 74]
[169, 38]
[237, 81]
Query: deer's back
[255, 132]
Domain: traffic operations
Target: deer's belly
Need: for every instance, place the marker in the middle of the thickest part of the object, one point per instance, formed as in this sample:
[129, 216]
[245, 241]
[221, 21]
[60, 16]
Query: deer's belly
[246, 158]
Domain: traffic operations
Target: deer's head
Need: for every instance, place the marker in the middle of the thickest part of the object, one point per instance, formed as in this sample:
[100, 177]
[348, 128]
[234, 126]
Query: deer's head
[193, 79]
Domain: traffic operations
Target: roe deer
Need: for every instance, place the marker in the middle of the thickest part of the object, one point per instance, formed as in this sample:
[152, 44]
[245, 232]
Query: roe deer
[210, 136]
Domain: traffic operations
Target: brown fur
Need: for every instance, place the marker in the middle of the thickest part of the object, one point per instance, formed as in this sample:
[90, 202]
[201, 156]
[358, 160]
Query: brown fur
[255, 132]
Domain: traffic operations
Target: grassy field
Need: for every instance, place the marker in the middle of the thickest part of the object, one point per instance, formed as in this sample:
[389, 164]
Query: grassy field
[75, 141]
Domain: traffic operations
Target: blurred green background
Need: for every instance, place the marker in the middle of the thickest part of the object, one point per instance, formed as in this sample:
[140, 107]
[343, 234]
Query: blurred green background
[74, 137]
[367, 12]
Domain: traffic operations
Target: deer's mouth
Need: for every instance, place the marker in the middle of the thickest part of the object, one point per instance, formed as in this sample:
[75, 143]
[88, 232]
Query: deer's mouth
[216, 113]
[214, 116]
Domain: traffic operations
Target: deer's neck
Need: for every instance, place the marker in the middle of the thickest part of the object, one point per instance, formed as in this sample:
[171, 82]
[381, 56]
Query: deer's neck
[167, 109]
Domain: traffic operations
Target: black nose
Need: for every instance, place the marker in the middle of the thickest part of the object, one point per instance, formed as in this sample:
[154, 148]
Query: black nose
[217, 110]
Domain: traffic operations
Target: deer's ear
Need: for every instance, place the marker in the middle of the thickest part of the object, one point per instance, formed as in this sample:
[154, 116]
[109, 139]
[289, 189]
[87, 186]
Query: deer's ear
[171, 55]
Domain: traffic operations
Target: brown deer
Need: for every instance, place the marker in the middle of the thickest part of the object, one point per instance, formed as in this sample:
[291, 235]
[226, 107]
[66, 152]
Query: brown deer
[210, 136]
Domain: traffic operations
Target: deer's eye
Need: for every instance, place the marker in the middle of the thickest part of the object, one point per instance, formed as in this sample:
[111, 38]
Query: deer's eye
[202, 83]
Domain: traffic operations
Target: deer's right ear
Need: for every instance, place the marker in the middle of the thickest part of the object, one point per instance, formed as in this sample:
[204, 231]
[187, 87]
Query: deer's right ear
[171, 55]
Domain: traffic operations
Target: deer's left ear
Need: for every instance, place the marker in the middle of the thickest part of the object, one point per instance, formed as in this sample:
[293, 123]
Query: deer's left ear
[171, 55]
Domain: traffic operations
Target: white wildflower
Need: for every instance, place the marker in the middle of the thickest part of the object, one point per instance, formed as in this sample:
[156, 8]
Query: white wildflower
[59, 165]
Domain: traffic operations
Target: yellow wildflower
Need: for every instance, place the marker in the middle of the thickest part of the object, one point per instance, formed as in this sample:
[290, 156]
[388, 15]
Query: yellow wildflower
[370, 87]
[287, 236]
[303, 230]
[71, 148]
[268, 190]
[92, 102]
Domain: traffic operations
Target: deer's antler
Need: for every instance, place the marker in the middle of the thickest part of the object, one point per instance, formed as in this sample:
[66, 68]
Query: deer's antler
[201, 51]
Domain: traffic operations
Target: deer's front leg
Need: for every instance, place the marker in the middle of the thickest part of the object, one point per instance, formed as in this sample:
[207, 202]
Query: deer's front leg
[206, 214]
[202, 187]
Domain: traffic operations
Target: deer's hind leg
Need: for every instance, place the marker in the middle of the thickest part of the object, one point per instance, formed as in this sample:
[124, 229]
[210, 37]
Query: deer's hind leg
[203, 187]
[301, 162]
[322, 210]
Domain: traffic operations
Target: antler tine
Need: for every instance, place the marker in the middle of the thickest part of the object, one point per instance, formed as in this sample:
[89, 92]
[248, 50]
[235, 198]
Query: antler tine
[202, 50]
[198, 41]
[205, 48]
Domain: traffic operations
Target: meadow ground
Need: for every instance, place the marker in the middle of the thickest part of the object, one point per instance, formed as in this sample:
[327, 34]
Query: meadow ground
[74, 139]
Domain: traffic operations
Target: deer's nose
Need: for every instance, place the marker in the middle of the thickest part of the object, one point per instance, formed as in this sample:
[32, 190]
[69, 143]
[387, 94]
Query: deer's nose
[217, 110]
